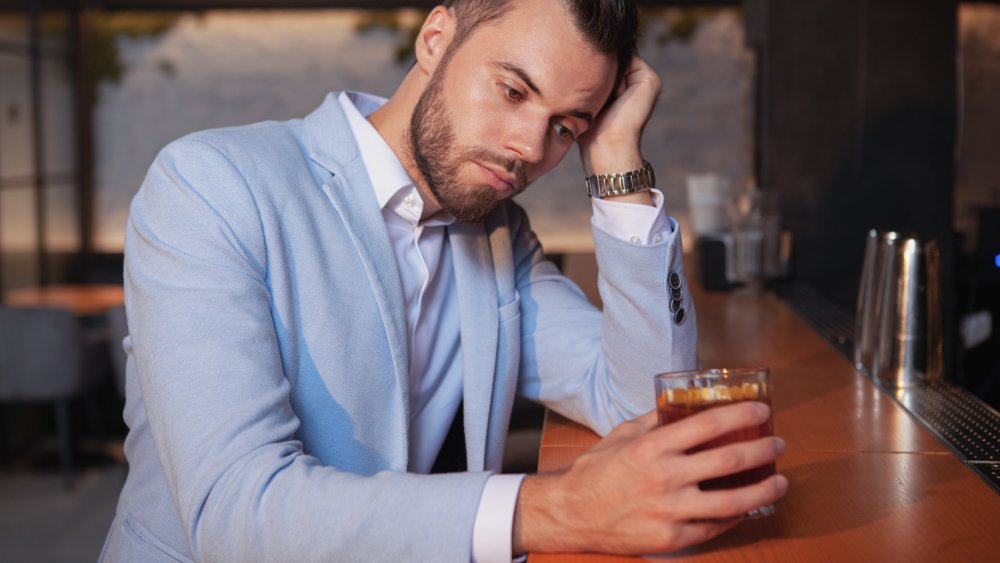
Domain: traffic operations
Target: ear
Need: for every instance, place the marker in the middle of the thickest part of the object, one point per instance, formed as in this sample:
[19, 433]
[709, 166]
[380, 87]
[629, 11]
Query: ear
[434, 37]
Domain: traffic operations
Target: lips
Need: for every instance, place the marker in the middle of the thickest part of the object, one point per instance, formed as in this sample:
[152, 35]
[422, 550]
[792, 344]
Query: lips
[500, 181]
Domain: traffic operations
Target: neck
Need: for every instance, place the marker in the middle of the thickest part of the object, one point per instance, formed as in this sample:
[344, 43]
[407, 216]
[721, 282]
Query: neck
[392, 121]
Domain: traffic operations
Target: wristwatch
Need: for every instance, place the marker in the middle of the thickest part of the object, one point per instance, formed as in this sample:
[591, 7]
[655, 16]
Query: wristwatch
[633, 181]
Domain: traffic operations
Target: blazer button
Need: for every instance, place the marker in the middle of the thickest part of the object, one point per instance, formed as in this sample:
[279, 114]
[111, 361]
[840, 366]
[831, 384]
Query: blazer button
[679, 316]
[675, 293]
[675, 305]
[675, 280]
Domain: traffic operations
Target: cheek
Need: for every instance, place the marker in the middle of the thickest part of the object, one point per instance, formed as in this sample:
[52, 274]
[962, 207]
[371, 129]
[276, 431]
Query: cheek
[481, 107]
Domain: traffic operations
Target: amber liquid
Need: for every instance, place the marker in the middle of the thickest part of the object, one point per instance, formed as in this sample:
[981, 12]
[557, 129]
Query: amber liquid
[672, 413]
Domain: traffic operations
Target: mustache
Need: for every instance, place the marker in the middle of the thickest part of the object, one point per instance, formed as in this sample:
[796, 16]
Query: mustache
[514, 167]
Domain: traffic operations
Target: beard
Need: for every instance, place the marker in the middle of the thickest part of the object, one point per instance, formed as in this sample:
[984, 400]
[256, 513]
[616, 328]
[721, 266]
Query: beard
[433, 149]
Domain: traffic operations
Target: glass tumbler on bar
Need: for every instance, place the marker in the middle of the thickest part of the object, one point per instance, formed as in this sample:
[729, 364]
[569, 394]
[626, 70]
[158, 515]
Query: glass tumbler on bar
[682, 394]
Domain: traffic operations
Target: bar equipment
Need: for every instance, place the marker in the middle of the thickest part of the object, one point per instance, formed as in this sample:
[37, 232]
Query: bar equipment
[866, 319]
[908, 348]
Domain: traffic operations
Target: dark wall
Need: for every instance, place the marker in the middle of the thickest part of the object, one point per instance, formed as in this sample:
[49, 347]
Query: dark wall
[856, 127]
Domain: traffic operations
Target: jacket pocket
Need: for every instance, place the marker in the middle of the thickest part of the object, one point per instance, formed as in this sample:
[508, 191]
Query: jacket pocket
[509, 311]
[141, 545]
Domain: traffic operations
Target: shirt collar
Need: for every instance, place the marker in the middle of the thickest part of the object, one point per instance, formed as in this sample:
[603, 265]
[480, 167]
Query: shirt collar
[384, 169]
[394, 190]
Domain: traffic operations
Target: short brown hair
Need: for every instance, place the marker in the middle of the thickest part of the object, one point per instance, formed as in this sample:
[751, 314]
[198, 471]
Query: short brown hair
[609, 26]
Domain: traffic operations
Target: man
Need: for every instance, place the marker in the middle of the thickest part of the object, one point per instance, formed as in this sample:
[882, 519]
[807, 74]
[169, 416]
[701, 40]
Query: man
[310, 303]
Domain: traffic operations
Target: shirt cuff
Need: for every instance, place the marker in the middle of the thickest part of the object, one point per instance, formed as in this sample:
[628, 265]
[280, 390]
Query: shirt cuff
[634, 222]
[492, 531]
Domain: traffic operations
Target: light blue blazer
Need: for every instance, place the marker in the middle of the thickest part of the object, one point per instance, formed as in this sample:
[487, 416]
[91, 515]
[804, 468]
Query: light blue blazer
[267, 359]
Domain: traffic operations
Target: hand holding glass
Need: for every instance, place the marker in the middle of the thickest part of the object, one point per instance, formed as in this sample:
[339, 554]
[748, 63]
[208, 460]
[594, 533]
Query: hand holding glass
[682, 394]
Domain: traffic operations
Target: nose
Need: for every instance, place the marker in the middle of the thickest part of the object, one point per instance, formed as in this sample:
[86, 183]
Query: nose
[525, 139]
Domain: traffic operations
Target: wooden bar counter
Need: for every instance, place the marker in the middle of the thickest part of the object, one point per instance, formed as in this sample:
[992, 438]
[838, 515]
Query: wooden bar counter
[82, 300]
[867, 481]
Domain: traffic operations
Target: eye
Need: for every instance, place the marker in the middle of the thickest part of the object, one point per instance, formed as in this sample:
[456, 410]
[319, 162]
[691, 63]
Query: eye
[563, 132]
[511, 93]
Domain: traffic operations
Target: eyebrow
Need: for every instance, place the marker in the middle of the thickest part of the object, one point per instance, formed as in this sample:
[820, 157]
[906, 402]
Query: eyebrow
[523, 75]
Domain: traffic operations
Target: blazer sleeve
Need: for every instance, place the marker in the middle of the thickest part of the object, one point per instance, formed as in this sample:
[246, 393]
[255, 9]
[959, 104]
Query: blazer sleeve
[217, 401]
[597, 367]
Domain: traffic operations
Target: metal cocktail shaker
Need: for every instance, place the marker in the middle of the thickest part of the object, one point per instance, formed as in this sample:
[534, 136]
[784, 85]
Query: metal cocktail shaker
[866, 320]
[908, 344]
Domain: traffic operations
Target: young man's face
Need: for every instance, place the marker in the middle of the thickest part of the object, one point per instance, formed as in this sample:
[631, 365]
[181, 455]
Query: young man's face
[506, 107]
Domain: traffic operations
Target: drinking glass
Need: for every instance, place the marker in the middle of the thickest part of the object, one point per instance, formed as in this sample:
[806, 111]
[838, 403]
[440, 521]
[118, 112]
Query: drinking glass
[682, 394]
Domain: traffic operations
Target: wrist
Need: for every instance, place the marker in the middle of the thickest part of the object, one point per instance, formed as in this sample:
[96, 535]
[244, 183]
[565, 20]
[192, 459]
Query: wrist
[611, 158]
[540, 518]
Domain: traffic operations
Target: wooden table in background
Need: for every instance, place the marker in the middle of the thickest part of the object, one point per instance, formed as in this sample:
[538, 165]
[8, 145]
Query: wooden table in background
[83, 300]
[867, 481]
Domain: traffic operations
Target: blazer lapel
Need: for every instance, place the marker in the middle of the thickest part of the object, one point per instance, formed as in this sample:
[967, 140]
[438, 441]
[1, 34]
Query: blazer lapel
[367, 229]
[332, 146]
[477, 305]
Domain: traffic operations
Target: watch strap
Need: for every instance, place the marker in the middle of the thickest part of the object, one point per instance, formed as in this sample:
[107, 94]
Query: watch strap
[621, 183]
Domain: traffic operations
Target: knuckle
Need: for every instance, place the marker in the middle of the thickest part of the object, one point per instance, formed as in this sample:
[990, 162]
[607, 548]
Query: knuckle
[667, 537]
[641, 449]
[730, 506]
[626, 430]
[633, 425]
[730, 460]
[668, 477]
[713, 424]
[703, 533]
[622, 429]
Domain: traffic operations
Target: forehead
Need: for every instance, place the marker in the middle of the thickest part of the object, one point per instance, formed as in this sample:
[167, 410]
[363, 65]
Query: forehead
[540, 37]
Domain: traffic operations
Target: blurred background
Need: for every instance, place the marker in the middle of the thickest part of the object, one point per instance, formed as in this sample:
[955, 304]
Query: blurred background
[848, 114]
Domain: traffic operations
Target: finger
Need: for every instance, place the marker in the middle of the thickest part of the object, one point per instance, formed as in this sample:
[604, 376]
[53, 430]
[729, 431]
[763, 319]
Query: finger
[693, 533]
[640, 71]
[733, 503]
[707, 425]
[648, 421]
[636, 68]
[622, 86]
[730, 459]
[635, 427]
[638, 64]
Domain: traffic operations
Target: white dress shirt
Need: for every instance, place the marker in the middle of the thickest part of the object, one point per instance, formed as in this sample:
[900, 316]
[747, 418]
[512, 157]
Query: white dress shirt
[432, 321]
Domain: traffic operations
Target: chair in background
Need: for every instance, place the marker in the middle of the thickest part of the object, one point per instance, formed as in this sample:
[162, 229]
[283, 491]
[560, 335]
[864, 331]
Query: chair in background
[44, 357]
[117, 331]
